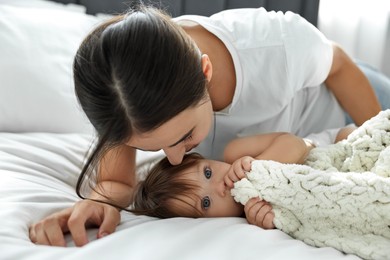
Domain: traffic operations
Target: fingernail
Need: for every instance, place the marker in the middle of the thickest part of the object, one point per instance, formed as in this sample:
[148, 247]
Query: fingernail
[103, 234]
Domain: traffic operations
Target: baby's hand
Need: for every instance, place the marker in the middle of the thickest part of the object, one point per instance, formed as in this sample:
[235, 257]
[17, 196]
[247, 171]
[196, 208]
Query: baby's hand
[237, 170]
[259, 212]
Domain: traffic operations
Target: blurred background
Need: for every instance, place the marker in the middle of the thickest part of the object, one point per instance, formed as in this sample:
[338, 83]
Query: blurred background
[361, 27]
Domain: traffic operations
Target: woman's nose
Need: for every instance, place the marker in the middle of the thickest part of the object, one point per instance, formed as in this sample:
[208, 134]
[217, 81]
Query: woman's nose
[175, 154]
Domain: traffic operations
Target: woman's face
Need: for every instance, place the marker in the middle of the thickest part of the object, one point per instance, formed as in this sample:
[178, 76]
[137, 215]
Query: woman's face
[213, 198]
[179, 135]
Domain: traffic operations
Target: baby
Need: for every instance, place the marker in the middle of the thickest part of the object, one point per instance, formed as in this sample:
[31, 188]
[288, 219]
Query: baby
[199, 187]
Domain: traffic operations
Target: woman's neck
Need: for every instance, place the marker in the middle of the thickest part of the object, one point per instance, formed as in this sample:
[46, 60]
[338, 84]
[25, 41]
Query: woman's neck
[223, 81]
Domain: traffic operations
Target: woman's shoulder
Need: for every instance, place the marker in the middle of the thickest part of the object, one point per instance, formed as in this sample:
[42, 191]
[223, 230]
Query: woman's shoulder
[230, 17]
[246, 25]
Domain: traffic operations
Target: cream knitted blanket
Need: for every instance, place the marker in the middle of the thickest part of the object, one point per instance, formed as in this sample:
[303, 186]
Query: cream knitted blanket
[340, 198]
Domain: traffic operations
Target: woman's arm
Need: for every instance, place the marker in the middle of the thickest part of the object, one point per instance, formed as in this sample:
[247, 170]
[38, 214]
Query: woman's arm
[116, 180]
[351, 88]
[115, 184]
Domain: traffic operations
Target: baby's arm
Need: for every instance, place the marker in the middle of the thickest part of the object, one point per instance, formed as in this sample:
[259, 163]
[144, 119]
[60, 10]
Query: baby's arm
[280, 147]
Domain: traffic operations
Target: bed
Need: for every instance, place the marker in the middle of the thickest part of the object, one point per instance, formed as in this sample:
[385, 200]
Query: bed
[44, 140]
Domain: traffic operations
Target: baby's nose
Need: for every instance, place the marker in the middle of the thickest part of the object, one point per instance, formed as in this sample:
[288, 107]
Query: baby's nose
[223, 189]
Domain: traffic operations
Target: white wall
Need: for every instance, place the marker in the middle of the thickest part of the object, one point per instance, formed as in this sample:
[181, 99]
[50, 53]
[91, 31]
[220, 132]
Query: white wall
[361, 27]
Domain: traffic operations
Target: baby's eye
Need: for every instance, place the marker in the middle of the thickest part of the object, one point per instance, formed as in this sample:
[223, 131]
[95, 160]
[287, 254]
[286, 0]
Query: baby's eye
[206, 202]
[207, 172]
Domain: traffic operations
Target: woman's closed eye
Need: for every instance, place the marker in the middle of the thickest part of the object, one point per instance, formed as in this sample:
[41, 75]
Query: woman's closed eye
[187, 139]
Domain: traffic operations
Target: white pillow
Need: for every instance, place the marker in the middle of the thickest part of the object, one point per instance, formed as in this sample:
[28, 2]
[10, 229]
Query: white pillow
[37, 47]
[45, 4]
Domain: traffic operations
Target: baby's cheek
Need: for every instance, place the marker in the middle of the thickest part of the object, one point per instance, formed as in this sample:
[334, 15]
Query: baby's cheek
[237, 209]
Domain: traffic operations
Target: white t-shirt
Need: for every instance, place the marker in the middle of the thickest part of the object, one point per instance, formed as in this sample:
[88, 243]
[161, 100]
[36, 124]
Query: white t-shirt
[281, 62]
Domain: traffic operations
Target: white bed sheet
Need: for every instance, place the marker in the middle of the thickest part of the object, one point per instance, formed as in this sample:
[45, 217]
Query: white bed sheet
[38, 173]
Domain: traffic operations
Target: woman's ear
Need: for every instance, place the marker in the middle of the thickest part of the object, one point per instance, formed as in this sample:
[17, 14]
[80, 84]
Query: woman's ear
[207, 67]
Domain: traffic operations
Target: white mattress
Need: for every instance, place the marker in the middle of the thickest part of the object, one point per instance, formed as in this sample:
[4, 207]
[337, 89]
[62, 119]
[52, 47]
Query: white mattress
[38, 172]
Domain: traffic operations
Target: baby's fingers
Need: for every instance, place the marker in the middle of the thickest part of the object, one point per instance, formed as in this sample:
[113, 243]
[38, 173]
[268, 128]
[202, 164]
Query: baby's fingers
[251, 208]
[239, 172]
[229, 183]
[259, 213]
[268, 221]
[231, 177]
[246, 163]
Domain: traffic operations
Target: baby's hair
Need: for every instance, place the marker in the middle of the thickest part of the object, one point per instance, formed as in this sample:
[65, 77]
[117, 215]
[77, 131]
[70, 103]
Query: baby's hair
[163, 185]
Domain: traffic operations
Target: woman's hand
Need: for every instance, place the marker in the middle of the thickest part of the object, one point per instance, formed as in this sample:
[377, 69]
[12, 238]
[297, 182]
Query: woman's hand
[85, 213]
[259, 212]
[237, 170]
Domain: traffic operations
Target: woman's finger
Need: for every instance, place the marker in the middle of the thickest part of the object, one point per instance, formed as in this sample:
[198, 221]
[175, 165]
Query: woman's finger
[110, 222]
[55, 234]
[50, 231]
[77, 223]
[40, 235]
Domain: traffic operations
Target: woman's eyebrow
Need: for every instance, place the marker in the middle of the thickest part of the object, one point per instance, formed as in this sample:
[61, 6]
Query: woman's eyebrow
[183, 138]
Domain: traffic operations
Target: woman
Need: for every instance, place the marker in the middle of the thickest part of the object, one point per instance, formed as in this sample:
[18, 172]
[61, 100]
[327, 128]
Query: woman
[148, 82]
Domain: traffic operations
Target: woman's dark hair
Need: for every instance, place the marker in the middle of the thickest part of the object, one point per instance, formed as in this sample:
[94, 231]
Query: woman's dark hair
[132, 74]
[164, 184]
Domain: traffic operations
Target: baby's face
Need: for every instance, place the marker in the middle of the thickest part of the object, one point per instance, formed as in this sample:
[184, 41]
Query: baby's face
[213, 198]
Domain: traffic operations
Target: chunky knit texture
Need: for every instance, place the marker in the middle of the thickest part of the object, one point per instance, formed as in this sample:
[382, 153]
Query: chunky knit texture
[340, 198]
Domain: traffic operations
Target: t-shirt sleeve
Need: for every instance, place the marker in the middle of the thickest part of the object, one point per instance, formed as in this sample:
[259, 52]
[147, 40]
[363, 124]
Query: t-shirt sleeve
[275, 55]
[282, 52]
[323, 138]
[309, 53]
